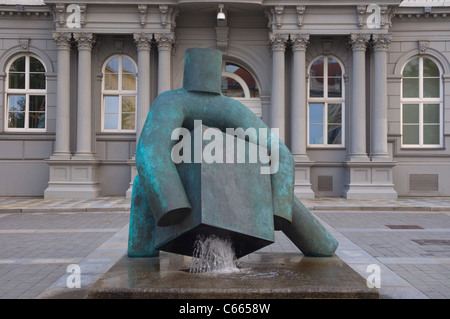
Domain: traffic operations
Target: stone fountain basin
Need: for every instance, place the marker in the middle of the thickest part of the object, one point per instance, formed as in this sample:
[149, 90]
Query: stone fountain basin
[260, 276]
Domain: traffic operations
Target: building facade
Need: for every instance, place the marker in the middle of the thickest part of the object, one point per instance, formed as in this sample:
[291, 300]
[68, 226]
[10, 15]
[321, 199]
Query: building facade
[360, 91]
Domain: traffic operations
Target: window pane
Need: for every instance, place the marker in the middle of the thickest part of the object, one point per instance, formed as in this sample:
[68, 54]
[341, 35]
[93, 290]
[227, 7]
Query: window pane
[317, 67]
[410, 87]
[37, 103]
[128, 103]
[316, 87]
[36, 120]
[36, 65]
[411, 113]
[316, 113]
[334, 87]
[16, 119]
[37, 81]
[431, 87]
[431, 134]
[112, 66]
[244, 75]
[334, 113]
[334, 69]
[128, 81]
[17, 80]
[411, 134]
[16, 111]
[128, 121]
[111, 104]
[334, 134]
[431, 113]
[430, 68]
[18, 65]
[412, 68]
[128, 66]
[17, 103]
[231, 88]
[111, 81]
[111, 121]
[316, 134]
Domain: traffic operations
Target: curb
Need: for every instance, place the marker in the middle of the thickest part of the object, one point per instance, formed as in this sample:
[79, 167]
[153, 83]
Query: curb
[311, 208]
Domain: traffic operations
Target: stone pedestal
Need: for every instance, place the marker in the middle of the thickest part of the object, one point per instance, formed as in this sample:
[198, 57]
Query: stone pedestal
[73, 179]
[370, 180]
[261, 276]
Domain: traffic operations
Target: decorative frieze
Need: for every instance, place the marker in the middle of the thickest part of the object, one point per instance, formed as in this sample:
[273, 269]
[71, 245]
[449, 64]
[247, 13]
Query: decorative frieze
[299, 41]
[277, 41]
[165, 41]
[84, 40]
[358, 41]
[381, 41]
[62, 39]
[300, 12]
[143, 40]
[142, 8]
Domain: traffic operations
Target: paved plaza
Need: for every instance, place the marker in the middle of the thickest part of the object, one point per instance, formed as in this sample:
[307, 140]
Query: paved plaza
[407, 239]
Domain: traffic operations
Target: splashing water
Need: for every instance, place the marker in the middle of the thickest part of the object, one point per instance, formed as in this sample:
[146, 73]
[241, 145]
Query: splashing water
[213, 254]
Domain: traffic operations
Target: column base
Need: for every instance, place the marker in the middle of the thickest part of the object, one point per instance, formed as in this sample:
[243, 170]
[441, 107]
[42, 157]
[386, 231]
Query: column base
[73, 179]
[370, 180]
[132, 163]
[302, 183]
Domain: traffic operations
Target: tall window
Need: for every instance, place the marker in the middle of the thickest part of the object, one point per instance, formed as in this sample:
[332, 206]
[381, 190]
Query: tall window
[421, 104]
[119, 95]
[26, 94]
[325, 103]
[240, 84]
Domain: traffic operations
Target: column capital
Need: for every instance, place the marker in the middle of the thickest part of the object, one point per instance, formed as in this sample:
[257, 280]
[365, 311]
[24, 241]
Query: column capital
[277, 41]
[142, 40]
[85, 40]
[381, 42]
[62, 40]
[358, 41]
[165, 41]
[299, 41]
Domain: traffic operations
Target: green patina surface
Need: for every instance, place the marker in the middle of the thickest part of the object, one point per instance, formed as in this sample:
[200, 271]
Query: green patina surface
[159, 198]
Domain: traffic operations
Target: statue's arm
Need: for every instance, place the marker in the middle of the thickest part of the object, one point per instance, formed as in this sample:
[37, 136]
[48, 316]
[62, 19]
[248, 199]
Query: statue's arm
[158, 174]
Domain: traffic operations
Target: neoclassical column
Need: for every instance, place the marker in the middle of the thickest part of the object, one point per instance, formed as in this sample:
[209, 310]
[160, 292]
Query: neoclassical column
[62, 142]
[358, 111]
[85, 43]
[381, 44]
[165, 42]
[298, 111]
[143, 43]
[277, 108]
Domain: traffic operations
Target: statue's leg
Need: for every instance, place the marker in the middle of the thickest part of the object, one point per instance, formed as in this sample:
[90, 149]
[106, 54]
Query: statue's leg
[141, 238]
[308, 234]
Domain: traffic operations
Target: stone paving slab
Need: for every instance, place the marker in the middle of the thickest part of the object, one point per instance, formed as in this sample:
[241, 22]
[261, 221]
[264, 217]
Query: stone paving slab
[40, 238]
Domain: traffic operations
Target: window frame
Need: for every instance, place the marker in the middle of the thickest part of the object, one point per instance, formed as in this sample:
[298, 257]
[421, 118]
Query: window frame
[421, 101]
[325, 100]
[120, 93]
[27, 92]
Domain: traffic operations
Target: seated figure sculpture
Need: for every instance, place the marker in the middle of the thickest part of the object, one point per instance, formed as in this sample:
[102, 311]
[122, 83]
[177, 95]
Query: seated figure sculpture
[159, 198]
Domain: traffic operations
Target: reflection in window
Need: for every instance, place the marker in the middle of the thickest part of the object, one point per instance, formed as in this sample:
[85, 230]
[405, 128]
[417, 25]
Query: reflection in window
[238, 82]
[421, 103]
[119, 94]
[326, 103]
[26, 94]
